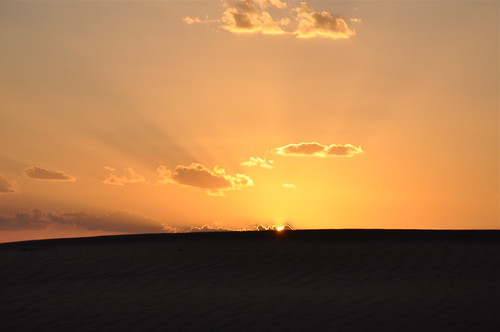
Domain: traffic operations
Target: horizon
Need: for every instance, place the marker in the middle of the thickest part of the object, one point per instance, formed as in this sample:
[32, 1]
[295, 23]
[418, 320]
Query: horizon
[183, 116]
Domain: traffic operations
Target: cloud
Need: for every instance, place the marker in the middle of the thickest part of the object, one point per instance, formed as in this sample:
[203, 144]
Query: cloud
[318, 150]
[249, 16]
[5, 186]
[256, 161]
[289, 186]
[271, 3]
[33, 220]
[129, 176]
[275, 17]
[215, 181]
[192, 20]
[43, 174]
[343, 150]
[313, 24]
[301, 149]
[208, 228]
[272, 227]
[118, 222]
[115, 222]
[218, 228]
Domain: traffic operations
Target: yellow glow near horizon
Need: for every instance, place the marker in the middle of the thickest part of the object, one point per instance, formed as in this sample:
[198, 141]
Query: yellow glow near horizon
[280, 228]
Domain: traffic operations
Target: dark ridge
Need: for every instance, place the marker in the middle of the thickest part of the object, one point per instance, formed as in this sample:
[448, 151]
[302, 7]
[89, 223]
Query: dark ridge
[307, 280]
[294, 236]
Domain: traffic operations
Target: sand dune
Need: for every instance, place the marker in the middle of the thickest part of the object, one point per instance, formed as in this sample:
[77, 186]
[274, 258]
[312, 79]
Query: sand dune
[254, 281]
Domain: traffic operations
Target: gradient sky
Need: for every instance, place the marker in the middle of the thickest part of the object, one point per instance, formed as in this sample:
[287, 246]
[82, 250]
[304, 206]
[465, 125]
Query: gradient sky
[149, 116]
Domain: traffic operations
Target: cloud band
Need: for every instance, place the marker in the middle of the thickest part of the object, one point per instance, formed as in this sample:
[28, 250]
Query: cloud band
[314, 149]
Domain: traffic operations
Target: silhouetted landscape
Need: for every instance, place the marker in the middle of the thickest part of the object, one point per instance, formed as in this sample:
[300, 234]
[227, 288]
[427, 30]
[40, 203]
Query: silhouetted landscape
[321, 280]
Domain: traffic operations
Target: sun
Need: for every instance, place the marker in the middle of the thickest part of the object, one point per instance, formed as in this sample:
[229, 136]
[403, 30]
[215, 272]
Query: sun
[280, 228]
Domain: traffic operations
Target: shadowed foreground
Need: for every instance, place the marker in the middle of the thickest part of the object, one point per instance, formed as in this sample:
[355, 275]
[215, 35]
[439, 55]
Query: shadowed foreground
[347, 280]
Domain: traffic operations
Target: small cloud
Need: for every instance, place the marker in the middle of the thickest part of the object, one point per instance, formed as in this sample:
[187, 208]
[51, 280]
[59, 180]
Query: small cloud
[275, 17]
[215, 181]
[218, 227]
[355, 20]
[164, 175]
[43, 174]
[195, 20]
[248, 16]
[108, 168]
[313, 24]
[289, 186]
[318, 150]
[301, 149]
[273, 227]
[192, 20]
[208, 228]
[343, 150]
[5, 186]
[272, 3]
[128, 176]
[256, 161]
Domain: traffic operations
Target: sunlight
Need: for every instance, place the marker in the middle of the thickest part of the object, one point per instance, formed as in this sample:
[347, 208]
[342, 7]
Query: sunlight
[280, 228]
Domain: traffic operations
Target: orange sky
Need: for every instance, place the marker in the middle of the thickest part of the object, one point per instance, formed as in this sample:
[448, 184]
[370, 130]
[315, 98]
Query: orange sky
[148, 116]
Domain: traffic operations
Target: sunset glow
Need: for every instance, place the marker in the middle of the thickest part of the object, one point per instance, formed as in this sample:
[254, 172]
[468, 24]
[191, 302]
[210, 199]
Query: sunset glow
[145, 117]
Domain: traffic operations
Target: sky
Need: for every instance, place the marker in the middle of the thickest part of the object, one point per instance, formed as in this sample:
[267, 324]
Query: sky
[173, 116]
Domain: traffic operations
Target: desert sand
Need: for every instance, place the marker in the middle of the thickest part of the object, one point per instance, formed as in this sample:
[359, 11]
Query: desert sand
[338, 280]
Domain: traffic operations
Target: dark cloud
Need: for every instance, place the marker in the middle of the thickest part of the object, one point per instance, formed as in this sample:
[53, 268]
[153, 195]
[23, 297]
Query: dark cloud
[115, 222]
[318, 150]
[33, 220]
[43, 174]
[197, 175]
[5, 186]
